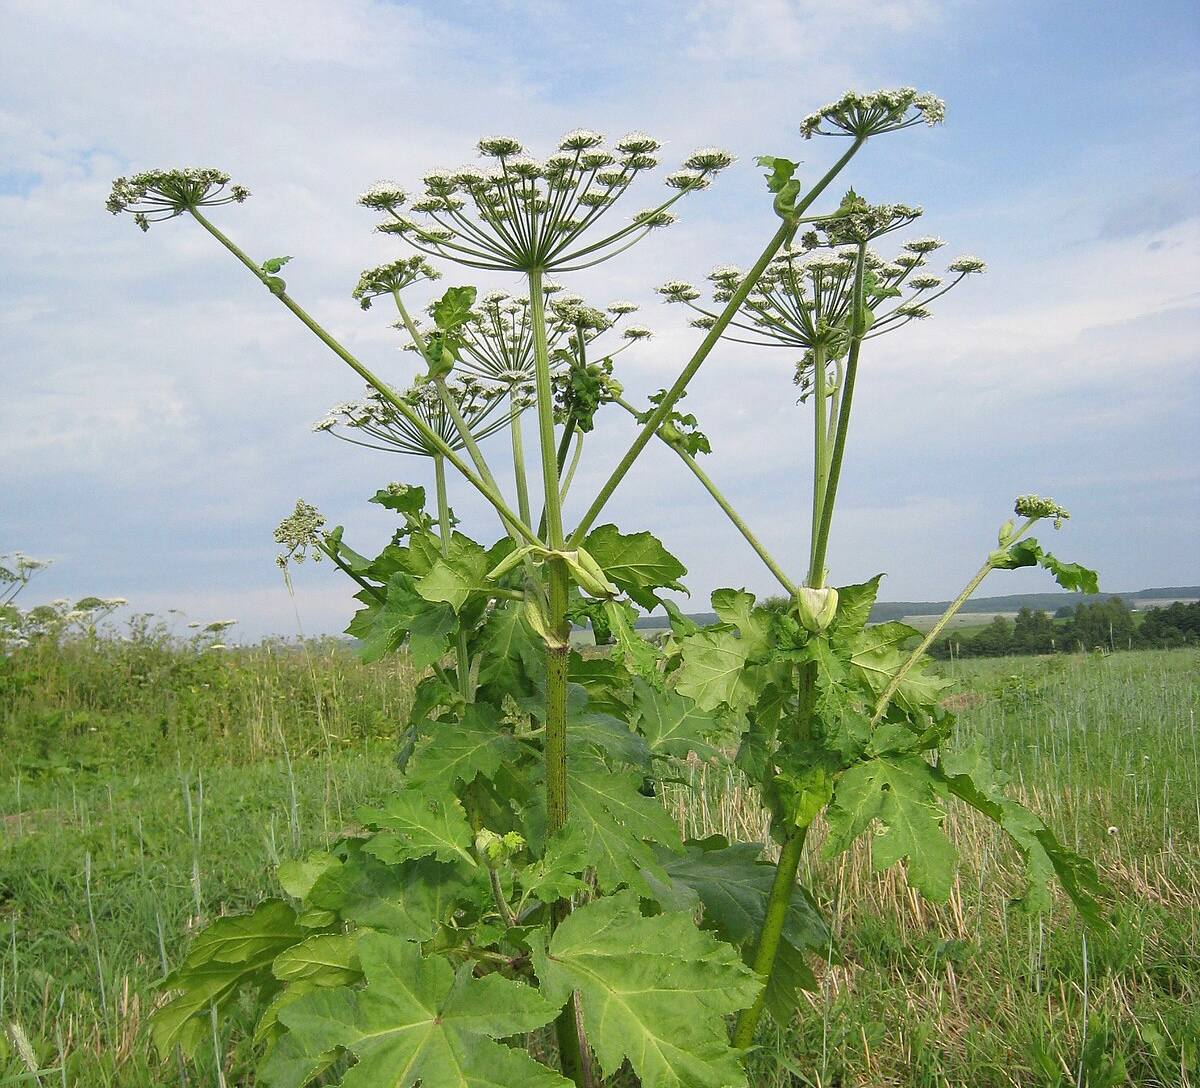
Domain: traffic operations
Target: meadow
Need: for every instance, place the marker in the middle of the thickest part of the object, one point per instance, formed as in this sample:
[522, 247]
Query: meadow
[148, 787]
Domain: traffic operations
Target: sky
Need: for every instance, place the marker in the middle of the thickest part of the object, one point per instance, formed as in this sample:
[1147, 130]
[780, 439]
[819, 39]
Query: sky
[157, 405]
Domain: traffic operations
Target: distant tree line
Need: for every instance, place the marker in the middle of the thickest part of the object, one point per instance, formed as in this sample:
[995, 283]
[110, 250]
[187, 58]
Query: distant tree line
[1107, 624]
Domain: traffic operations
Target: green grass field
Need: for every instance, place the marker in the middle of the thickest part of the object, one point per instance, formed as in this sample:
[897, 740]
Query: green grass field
[144, 791]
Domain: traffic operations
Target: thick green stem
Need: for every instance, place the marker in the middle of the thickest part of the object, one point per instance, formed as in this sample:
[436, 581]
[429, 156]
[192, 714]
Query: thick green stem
[659, 415]
[724, 504]
[564, 446]
[820, 439]
[784, 885]
[894, 684]
[435, 440]
[816, 573]
[574, 1054]
[782, 889]
[545, 410]
[462, 656]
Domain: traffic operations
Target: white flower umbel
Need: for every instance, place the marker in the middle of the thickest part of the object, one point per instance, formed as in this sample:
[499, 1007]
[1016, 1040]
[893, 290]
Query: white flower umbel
[155, 195]
[375, 423]
[862, 115]
[525, 214]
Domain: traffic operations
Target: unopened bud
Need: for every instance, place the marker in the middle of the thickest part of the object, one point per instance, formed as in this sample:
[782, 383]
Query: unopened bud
[496, 849]
[816, 607]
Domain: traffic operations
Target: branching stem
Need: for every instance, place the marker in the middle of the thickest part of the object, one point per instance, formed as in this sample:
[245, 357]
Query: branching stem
[376, 383]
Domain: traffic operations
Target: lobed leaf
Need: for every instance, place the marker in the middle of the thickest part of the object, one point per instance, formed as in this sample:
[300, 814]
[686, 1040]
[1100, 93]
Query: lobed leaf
[904, 794]
[653, 991]
[416, 1022]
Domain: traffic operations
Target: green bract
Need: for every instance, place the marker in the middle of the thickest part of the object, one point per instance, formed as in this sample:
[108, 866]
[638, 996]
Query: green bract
[526, 872]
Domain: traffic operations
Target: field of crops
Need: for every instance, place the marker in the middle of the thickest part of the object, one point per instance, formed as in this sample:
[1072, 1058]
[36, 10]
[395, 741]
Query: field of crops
[144, 790]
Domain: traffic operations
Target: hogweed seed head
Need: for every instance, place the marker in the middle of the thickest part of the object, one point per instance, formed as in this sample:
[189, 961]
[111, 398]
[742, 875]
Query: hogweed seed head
[580, 139]
[524, 214]
[708, 160]
[637, 143]
[300, 533]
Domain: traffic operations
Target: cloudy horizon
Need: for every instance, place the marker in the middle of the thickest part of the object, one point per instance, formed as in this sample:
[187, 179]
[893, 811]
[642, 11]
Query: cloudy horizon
[158, 410]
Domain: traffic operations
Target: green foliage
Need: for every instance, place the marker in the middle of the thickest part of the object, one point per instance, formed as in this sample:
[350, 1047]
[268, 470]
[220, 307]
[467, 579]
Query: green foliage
[416, 1021]
[525, 870]
[652, 990]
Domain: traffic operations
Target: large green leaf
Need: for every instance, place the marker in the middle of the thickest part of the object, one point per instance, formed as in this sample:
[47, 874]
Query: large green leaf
[330, 959]
[736, 607]
[230, 953]
[416, 1022]
[631, 650]
[671, 723]
[637, 563]
[973, 779]
[853, 610]
[406, 615]
[454, 577]
[415, 824]
[713, 670]
[512, 658]
[617, 821]
[904, 794]
[457, 751]
[877, 657]
[409, 900]
[733, 885]
[653, 990]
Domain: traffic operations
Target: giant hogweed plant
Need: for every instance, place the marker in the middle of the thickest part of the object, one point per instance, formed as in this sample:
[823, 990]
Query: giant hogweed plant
[525, 875]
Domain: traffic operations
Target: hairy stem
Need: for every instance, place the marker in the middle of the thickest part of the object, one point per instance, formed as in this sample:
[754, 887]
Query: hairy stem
[384, 390]
[574, 1053]
[820, 440]
[784, 885]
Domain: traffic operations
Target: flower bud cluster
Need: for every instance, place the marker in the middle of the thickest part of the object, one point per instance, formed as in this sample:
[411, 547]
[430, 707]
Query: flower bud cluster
[1034, 506]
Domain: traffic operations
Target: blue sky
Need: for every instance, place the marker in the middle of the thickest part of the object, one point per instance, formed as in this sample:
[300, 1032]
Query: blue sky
[156, 416]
